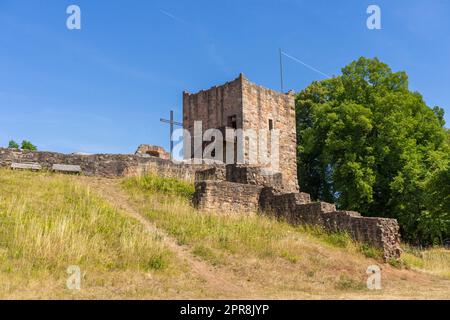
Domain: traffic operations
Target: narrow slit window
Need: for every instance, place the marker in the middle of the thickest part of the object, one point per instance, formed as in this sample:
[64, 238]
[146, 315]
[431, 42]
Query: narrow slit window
[232, 122]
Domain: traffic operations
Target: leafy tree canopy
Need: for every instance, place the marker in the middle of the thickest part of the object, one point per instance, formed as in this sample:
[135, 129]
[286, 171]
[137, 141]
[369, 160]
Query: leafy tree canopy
[368, 143]
[27, 145]
[13, 145]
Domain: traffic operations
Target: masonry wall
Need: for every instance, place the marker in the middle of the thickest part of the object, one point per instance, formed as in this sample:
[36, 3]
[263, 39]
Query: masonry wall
[155, 151]
[215, 192]
[382, 233]
[253, 106]
[261, 105]
[226, 197]
[379, 232]
[105, 165]
[213, 107]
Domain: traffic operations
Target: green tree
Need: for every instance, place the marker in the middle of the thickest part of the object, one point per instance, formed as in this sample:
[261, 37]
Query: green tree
[439, 112]
[434, 220]
[13, 145]
[27, 145]
[369, 144]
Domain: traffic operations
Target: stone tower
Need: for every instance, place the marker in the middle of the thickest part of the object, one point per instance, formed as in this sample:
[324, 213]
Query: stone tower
[241, 104]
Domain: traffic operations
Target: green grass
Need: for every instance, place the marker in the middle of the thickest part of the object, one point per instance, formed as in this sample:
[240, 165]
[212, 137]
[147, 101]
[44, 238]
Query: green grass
[50, 222]
[264, 237]
[340, 240]
[207, 232]
[207, 254]
[371, 252]
[347, 283]
[170, 186]
[434, 260]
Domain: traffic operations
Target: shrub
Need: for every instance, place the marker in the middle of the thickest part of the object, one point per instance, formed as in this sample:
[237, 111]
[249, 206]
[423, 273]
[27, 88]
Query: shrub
[27, 145]
[13, 145]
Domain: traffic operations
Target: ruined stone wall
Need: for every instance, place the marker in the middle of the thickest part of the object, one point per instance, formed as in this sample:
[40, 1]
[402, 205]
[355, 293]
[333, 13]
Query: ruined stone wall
[215, 192]
[379, 232]
[273, 201]
[104, 165]
[241, 174]
[226, 197]
[154, 151]
[297, 209]
[218, 173]
[253, 175]
[262, 105]
[254, 107]
[213, 107]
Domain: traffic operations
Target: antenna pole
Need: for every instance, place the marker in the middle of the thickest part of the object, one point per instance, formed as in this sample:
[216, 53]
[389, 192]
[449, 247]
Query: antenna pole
[281, 70]
[171, 134]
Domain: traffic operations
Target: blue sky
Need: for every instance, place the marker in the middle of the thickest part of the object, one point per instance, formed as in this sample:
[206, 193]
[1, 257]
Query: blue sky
[104, 88]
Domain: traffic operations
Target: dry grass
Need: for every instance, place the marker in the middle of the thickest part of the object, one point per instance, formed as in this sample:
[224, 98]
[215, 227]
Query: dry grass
[434, 261]
[210, 234]
[279, 259]
[49, 222]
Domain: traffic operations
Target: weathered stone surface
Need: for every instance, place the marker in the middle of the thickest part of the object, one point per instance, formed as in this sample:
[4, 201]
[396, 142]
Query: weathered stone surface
[217, 173]
[152, 151]
[379, 232]
[241, 104]
[253, 175]
[105, 165]
[262, 105]
[226, 197]
[272, 200]
[241, 174]
[68, 168]
[234, 190]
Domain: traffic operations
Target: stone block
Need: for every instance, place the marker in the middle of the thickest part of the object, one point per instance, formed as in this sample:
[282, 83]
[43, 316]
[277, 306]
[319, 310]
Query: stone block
[226, 197]
[215, 173]
[67, 168]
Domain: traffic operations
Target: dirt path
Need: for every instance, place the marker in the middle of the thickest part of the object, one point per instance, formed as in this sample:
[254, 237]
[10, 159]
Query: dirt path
[215, 279]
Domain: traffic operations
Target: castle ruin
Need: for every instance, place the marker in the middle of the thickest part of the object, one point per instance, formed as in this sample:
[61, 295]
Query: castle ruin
[244, 188]
[240, 104]
[238, 187]
[152, 151]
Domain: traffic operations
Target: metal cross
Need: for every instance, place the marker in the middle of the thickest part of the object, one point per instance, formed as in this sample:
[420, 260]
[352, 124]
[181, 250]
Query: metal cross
[172, 123]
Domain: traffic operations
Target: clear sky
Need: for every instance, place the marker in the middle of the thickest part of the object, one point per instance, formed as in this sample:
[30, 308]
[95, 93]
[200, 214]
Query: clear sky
[104, 88]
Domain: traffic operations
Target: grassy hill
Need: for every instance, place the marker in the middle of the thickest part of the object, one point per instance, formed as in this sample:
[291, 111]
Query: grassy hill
[140, 238]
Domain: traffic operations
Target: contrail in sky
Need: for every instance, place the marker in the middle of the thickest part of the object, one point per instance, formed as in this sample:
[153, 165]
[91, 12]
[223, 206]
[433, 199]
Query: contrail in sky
[171, 16]
[305, 64]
